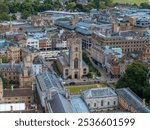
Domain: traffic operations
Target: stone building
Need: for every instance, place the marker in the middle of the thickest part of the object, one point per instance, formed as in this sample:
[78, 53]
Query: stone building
[16, 96]
[128, 41]
[13, 54]
[71, 64]
[40, 21]
[129, 101]
[100, 99]
[20, 75]
[26, 78]
[146, 53]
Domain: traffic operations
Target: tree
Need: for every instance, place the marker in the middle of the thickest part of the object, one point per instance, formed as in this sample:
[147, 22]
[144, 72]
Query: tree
[4, 16]
[25, 15]
[109, 3]
[3, 8]
[96, 4]
[5, 82]
[70, 6]
[4, 60]
[145, 5]
[136, 79]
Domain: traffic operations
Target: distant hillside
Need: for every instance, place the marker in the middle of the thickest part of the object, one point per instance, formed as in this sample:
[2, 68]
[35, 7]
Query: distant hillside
[130, 1]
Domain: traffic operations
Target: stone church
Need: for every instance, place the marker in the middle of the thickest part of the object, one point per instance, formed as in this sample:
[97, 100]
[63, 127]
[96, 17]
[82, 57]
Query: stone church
[71, 64]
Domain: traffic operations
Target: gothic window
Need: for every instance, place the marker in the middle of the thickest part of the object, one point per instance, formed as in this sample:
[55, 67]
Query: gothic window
[76, 63]
[94, 104]
[76, 49]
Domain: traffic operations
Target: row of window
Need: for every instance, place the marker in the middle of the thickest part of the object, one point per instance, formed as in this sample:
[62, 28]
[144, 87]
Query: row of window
[102, 103]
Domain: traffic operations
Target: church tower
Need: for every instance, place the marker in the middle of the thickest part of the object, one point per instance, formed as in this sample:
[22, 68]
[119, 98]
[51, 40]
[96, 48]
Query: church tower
[75, 55]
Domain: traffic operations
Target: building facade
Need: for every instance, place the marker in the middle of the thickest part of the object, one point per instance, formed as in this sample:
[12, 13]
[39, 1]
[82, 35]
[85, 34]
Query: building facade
[127, 44]
[13, 54]
[100, 99]
[71, 65]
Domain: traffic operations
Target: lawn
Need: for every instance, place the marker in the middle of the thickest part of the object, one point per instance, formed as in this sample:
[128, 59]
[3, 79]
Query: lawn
[62, 19]
[130, 1]
[77, 89]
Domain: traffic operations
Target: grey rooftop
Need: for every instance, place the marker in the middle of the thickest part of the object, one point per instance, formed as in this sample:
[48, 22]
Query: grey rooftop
[59, 104]
[132, 99]
[99, 93]
[48, 81]
[79, 105]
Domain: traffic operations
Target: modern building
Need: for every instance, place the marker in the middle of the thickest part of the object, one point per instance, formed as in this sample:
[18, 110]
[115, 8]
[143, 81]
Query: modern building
[33, 42]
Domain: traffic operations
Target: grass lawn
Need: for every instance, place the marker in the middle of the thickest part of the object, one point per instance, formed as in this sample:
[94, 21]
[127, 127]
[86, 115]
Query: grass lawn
[62, 19]
[77, 89]
[130, 1]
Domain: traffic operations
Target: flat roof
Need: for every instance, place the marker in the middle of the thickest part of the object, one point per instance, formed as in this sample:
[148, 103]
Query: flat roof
[17, 92]
[15, 106]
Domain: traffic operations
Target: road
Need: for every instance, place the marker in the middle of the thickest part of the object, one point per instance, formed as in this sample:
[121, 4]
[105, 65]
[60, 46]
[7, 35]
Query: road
[104, 76]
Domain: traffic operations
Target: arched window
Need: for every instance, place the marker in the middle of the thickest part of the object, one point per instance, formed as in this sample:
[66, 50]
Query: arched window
[76, 49]
[76, 63]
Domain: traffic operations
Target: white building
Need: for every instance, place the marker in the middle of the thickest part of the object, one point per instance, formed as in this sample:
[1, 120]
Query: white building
[37, 66]
[63, 44]
[100, 99]
[33, 42]
[47, 55]
[12, 107]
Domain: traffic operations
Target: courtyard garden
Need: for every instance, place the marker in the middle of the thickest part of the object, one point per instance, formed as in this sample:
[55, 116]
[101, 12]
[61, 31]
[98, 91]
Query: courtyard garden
[78, 89]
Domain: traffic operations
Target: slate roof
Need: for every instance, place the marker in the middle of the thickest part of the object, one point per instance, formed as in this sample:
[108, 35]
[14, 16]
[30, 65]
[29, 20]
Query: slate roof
[79, 105]
[132, 99]
[48, 81]
[59, 104]
[99, 93]
[7, 66]
[18, 92]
